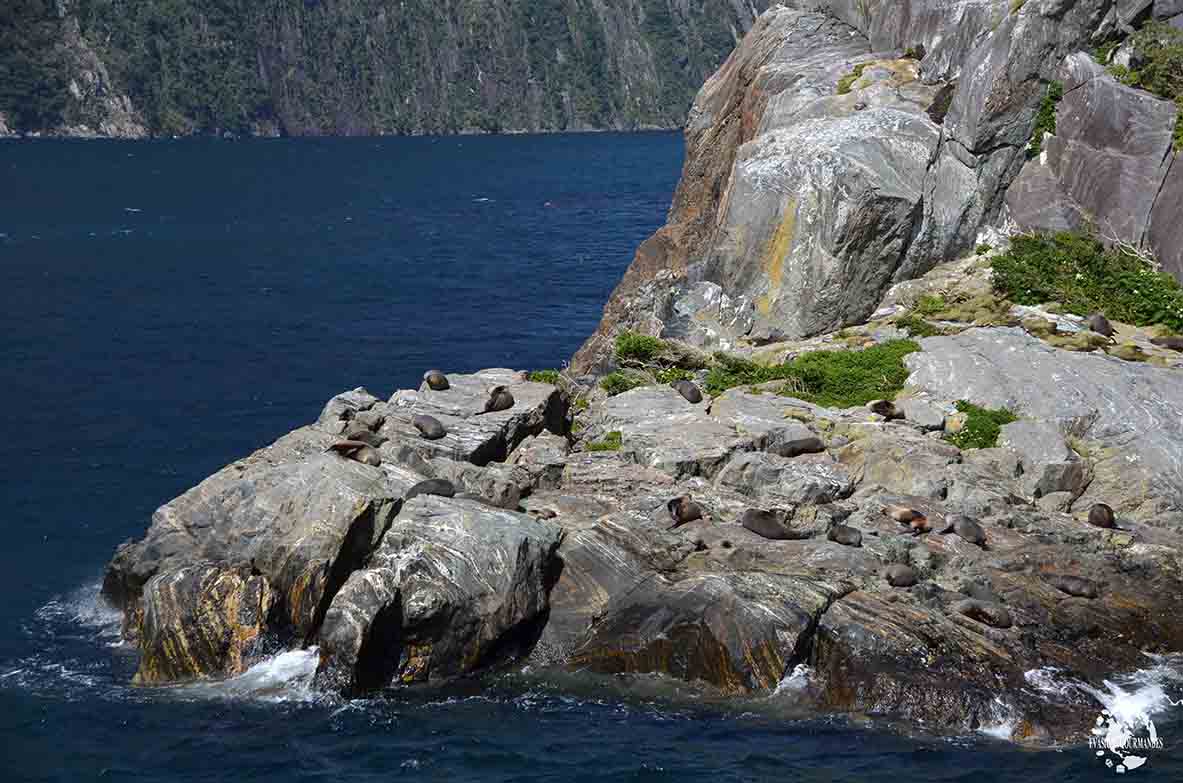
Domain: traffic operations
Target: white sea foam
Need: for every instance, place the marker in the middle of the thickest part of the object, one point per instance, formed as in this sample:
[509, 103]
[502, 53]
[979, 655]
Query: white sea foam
[286, 677]
[795, 681]
[1002, 723]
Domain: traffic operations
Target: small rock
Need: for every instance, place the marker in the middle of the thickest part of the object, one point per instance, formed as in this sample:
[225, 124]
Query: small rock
[923, 414]
[989, 614]
[900, 576]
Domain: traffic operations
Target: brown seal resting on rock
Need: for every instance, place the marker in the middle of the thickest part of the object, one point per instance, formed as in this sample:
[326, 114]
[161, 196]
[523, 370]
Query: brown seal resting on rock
[435, 486]
[965, 527]
[989, 614]
[499, 400]
[1073, 585]
[688, 390]
[357, 450]
[682, 510]
[1172, 342]
[845, 535]
[429, 426]
[1101, 515]
[360, 434]
[908, 516]
[899, 575]
[436, 380]
[885, 408]
[772, 524]
[1099, 324]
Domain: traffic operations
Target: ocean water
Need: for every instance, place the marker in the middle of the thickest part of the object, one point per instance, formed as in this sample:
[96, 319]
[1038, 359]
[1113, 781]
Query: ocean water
[171, 306]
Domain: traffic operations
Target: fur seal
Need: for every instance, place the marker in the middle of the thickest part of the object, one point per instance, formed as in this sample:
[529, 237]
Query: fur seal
[1099, 324]
[989, 614]
[908, 516]
[885, 408]
[356, 450]
[900, 576]
[845, 535]
[363, 435]
[499, 400]
[1101, 515]
[688, 390]
[1073, 585]
[436, 486]
[772, 524]
[429, 426]
[683, 510]
[1171, 342]
[436, 380]
[965, 527]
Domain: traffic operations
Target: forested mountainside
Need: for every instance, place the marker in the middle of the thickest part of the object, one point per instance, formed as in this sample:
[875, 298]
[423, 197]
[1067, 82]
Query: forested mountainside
[308, 67]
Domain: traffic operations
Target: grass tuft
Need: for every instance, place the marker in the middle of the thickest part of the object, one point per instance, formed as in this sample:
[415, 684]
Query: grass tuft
[1084, 276]
[641, 347]
[835, 379]
[847, 81]
[619, 382]
[916, 327]
[1045, 120]
[982, 426]
[545, 376]
[611, 442]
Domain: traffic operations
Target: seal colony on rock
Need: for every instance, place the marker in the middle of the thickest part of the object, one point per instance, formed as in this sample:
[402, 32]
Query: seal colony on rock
[358, 451]
[771, 524]
[436, 486]
[845, 535]
[499, 400]
[968, 529]
[429, 427]
[688, 390]
[1101, 515]
[436, 380]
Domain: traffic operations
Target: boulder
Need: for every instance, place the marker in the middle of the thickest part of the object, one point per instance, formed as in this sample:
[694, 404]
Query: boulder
[455, 586]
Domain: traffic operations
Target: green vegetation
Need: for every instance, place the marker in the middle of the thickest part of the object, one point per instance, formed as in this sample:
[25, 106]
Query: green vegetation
[581, 404]
[1159, 47]
[847, 81]
[32, 67]
[638, 347]
[916, 327]
[1015, 5]
[914, 52]
[545, 376]
[1045, 120]
[611, 442]
[672, 374]
[929, 304]
[983, 248]
[982, 426]
[619, 382]
[1084, 276]
[838, 379]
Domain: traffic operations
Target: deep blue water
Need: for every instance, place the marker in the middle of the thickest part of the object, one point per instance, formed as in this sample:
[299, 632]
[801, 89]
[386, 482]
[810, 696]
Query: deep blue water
[169, 307]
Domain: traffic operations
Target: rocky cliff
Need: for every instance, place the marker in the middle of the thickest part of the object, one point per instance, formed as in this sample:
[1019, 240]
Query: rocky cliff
[373, 66]
[843, 149]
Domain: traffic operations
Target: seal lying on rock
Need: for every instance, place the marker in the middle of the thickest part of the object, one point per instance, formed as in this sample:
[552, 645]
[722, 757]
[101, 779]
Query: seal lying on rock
[908, 516]
[682, 510]
[688, 390]
[1099, 324]
[436, 380]
[357, 450]
[1073, 585]
[900, 575]
[1101, 515]
[886, 409]
[499, 400]
[363, 435]
[435, 486]
[845, 535]
[986, 613]
[965, 527]
[773, 524]
[1171, 342]
[429, 427]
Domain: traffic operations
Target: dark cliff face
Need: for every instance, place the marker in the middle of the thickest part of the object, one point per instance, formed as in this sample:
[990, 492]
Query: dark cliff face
[309, 67]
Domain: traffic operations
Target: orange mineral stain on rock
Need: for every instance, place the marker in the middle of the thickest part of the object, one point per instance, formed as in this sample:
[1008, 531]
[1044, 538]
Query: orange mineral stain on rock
[774, 256]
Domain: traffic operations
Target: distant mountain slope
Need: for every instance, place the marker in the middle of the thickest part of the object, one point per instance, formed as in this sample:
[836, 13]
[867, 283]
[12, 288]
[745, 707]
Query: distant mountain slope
[307, 67]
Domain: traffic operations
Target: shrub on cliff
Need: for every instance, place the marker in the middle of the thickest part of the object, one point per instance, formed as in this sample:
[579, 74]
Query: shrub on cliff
[1086, 277]
[638, 347]
[1045, 121]
[1158, 52]
[835, 379]
[982, 426]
